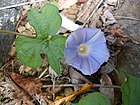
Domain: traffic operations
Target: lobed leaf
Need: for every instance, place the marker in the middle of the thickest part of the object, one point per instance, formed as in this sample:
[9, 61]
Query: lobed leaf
[131, 91]
[28, 51]
[54, 52]
[46, 22]
[95, 98]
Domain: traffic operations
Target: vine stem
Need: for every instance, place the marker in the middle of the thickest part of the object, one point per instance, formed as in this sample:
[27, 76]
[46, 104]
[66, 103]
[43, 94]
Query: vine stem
[115, 70]
[78, 85]
[15, 33]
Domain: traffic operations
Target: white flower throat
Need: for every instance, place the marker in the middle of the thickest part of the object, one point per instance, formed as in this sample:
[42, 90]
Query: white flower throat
[83, 50]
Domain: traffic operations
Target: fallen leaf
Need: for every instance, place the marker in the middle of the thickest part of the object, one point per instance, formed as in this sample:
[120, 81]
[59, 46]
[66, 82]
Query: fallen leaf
[12, 52]
[21, 29]
[66, 3]
[82, 1]
[21, 92]
[121, 41]
[136, 41]
[22, 18]
[85, 88]
[108, 18]
[77, 78]
[105, 80]
[32, 85]
[117, 32]
[87, 10]
[112, 2]
[121, 37]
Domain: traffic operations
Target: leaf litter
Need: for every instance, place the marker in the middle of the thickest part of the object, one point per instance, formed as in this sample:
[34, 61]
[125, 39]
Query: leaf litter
[28, 87]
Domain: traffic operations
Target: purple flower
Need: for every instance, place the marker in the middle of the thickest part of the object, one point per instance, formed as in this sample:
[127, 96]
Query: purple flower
[86, 50]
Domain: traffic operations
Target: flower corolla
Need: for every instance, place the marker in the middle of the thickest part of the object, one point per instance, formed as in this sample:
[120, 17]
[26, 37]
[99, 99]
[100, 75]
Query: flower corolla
[86, 50]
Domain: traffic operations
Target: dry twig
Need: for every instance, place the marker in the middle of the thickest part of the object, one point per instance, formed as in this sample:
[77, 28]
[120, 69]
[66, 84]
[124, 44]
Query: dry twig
[21, 4]
[79, 85]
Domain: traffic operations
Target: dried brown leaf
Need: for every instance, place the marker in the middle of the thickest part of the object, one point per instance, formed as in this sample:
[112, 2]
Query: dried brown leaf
[82, 1]
[105, 80]
[77, 78]
[66, 3]
[22, 18]
[12, 52]
[108, 18]
[22, 93]
[122, 36]
[135, 39]
[32, 85]
[117, 32]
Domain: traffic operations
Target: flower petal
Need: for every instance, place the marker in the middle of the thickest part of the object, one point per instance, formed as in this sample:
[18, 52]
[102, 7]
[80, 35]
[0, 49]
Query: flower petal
[79, 35]
[100, 52]
[75, 62]
[89, 66]
[90, 33]
[71, 42]
[98, 38]
[69, 54]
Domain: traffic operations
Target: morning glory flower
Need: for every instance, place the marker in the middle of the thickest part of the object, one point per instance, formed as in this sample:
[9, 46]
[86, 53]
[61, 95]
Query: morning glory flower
[86, 50]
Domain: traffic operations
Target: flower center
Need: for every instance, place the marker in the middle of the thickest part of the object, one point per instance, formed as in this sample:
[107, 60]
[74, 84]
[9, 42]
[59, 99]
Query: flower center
[83, 50]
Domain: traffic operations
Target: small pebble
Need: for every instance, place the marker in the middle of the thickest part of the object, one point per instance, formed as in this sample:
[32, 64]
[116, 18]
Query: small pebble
[12, 52]
[12, 19]
[68, 91]
[72, 12]
[21, 29]
[57, 89]
[99, 24]
[26, 7]
[28, 26]
[71, 17]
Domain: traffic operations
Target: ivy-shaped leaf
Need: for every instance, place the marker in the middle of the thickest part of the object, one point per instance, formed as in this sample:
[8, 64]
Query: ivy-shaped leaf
[46, 22]
[54, 52]
[95, 98]
[28, 51]
[131, 91]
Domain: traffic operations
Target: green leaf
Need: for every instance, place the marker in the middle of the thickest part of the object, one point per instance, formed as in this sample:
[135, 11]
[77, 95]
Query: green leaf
[95, 98]
[28, 51]
[46, 22]
[55, 51]
[131, 91]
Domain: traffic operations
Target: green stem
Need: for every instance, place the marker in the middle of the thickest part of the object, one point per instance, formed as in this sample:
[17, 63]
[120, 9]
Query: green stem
[115, 69]
[15, 33]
